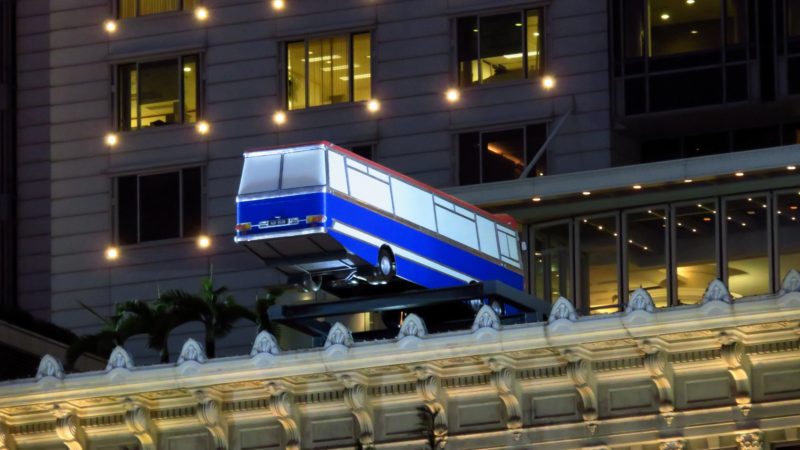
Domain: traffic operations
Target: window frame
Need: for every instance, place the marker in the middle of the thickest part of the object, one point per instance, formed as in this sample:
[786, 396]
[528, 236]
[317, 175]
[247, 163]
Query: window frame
[118, 9]
[531, 244]
[543, 27]
[284, 72]
[493, 129]
[118, 90]
[115, 205]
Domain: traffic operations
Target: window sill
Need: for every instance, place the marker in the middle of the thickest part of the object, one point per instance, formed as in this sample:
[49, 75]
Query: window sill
[163, 15]
[157, 130]
[159, 243]
[331, 107]
[491, 86]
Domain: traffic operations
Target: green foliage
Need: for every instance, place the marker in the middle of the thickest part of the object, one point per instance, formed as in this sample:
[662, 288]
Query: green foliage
[263, 303]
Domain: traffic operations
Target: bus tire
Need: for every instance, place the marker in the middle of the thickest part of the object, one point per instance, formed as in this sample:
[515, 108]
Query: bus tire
[386, 268]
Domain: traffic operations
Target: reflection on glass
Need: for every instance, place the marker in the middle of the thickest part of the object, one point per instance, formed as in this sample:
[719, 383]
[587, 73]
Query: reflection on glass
[296, 75]
[190, 89]
[677, 26]
[501, 48]
[468, 73]
[129, 109]
[695, 249]
[787, 215]
[533, 36]
[552, 271]
[747, 243]
[328, 71]
[646, 248]
[157, 6]
[735, 24]
[469, 163]
[361, 67]
[598, 240]
[503, 155]
[633, 23]
[159, 95]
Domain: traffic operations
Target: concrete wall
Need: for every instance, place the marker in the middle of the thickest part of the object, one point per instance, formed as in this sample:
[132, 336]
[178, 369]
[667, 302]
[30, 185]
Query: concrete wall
[65, 99]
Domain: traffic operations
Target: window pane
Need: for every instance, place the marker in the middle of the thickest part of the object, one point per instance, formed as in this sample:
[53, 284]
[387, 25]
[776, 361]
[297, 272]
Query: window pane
[127, 210]
[159, 96]
[128, 107]
[787, 215]
[189, 5]
[192, 202]
[552, 270]
[679, 27]
[190, 89]
[468, 51]
[746, 246]
[362, 73]
[598, 240]
[362, 150]
[646, 247]
[328, 71]
[793, 17]
[501, 48]
[157, 6]
[296, 75]
[633, 18]
[159, 206]
[535, 136]
[735, 21]
[533, 35]
[469, 166]
[503, 155]
[695, 249]
[127, 8]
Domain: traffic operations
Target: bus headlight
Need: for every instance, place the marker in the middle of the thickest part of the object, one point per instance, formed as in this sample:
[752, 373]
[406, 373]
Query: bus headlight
[243, 227]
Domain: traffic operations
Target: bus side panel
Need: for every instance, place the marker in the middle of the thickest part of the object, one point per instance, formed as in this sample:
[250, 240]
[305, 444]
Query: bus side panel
[404, 237]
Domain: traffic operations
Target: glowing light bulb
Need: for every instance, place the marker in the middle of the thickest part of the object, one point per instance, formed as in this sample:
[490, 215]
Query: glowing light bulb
[637, 186]
[791, 167]
[110, 26]
[279, 117]
[201, 12]
[688, 180]
[278, 5]
[111, 139]
[452, 95]
[373, 105]
[204, 242]
[739, 174]
[548, 82]
[690, 2]
[112, 253]
[587, 193]
[665, 16]
[203, 127]
[537, 199]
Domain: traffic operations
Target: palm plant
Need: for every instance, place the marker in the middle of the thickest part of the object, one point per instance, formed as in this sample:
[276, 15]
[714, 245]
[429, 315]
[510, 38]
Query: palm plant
[263, 303]
[115, 331]
[211, 307]
[153, 319]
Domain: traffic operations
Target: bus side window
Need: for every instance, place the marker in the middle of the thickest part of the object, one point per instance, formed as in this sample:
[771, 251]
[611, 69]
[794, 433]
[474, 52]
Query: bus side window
[303, 169]
[369, 189]
[457, 227]
[413, 204]
[338, 178]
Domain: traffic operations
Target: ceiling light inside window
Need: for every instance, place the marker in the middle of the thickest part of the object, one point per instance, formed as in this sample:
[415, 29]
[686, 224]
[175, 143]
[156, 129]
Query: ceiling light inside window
[518, 24]
[791, 167]
[694, 31]
[739, 174]
[690, 2]
[587, 193]
[187, 68]
[664, 16]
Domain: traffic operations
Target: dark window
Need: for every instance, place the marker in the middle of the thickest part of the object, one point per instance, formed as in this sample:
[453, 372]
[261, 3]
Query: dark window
[159, 206]
[328, 70]
[365, 151]
[133, 8]
[719, 142]
[680, 54]
[158, 93]
[500, 47]
[485, 157]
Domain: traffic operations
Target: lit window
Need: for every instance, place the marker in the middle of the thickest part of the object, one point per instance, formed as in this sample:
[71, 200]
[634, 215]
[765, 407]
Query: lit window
[500, 47]
[747, 245]
[158, 206]
[598, 263]
[485, 157]
[158, 93]
[328, 70]
[645, 252]
[134, 8]
[551, 262]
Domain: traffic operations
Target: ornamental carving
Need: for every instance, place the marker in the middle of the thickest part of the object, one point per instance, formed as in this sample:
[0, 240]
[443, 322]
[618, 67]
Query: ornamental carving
[50, 367]
[67, 428]
[137, 419]
[733, 353]
[6, 440]
[657, 364]
[192, 351]
[791, 282]
[717, 292]
[355, 397]
[413, 325]
[119, 359]
[486, 318]
[265, 344]
[281, 404]
[640, 300]
[751, 441]
[672, 445]
[504, 381]
[339, 335]
[562, 309]
[429, 388]
[209, 415]
[580, 373]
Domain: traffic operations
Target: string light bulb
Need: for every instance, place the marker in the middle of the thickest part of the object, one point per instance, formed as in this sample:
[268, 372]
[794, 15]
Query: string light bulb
[110, 26]
[452, 95]
[278, 5]
[112, 253]
[203, 127]
[279, 117]
[111, 139]
[203, 241]
[201, 13]
[373, 106]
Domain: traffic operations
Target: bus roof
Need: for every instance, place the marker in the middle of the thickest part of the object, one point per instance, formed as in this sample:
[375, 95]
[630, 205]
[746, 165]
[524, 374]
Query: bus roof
[502, 218]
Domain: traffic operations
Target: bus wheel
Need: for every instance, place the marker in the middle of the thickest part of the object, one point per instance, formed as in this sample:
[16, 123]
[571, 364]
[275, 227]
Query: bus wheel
[311, 283]
[387, 268]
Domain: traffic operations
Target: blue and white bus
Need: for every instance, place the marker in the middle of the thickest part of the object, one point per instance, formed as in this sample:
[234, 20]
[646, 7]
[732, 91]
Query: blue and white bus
[326, 216]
